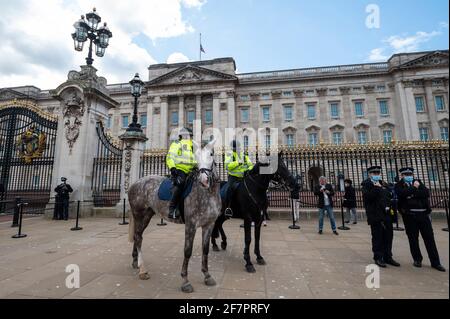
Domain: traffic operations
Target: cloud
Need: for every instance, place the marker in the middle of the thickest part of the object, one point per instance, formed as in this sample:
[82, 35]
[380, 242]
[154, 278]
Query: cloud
[37, 48]
[376, 55]
[404, 43]
[177, 57]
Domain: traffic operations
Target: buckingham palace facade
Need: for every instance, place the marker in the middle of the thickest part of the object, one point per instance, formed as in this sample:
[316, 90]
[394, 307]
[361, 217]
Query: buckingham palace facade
[404, 98]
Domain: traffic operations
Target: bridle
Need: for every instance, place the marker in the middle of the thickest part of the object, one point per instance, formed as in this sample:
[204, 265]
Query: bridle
[210, 174]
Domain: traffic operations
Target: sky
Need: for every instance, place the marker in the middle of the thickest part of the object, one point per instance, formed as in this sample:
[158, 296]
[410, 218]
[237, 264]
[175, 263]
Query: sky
[261, 35]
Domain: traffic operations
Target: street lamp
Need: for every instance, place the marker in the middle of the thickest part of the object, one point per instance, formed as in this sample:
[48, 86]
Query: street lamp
[136, 90]
[87, 29]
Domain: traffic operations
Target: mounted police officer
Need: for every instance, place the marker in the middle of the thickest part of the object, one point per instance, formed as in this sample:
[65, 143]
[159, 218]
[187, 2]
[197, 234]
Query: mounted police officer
[237, 163]
[181, 161]
[62, 191]
[377, 202]
[414, 205]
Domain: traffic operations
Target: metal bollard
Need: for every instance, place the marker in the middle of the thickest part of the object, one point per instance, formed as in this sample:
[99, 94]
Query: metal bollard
[124, 222]
[19, 234]
[78, 215]
[343, 227]
[293, 226]
[162, 223]
[15, 222]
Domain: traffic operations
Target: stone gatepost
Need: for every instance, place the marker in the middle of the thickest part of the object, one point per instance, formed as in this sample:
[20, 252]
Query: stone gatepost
[84, 100]
[133, 150]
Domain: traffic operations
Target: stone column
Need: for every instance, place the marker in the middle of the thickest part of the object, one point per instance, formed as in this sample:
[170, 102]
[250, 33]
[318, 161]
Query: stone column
[181, 110]
[216, 111]
[371, 112]
[347, 114]
[164, 121]
[407, 111]
[277, 110]
[300, 117]
[323, 115]
[150, 119]
[431, 108]
[231, 109]
[84, 101]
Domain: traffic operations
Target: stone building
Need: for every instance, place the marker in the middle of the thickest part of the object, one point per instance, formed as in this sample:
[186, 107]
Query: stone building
[405, 98]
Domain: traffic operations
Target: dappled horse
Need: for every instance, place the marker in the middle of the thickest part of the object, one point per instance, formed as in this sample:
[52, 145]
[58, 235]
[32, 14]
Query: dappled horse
[201, 209]
[248, 202]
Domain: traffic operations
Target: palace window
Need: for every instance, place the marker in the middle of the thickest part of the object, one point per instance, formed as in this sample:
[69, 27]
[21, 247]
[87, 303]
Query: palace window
[208, 117]
[391, 174]
[424, 135]
[174, 118]
[245, 141]
[337, 138]
[439, 101]
[143, 120]
[290, 139]
[313, 139]
[109, 121]
[387, 136]
[267, 140]
[244, 98]
[265, 96]
[444, 133]
[381, 88]
[287, 93]
[334, 110]
[384, 108]
[190, 117]
[288, 115]
[125, 121]
[362, 137]
[311, 110]
[432, 175]
[266, 114]
[245, 116]
[420, 105]
[359, 110]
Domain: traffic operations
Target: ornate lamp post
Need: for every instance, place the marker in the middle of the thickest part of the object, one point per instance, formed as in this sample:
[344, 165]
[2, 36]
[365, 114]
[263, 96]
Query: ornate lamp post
[136, 91]
[85, 30]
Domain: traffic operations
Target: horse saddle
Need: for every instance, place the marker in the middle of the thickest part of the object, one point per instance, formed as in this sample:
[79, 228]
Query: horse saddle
[224, 189]
[165, 189]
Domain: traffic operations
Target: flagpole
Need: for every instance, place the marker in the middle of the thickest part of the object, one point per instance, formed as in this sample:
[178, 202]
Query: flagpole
[200, 47]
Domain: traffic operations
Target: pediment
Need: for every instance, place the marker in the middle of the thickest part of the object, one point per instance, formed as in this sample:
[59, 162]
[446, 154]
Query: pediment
[8, 94]
[429, 60]
[191, 74]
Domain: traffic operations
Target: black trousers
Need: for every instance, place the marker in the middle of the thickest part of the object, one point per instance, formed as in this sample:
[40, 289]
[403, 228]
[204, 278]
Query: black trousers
[64, 211]
[421, 223]
[232, 180]
[178, 183]
[382, 238]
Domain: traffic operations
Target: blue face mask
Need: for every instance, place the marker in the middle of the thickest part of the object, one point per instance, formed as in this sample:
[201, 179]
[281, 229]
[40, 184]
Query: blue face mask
[409, 179]
[375, 178]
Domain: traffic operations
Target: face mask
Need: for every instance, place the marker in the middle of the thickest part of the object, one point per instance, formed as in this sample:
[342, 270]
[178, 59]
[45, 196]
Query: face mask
[375, 178]
[409, 179]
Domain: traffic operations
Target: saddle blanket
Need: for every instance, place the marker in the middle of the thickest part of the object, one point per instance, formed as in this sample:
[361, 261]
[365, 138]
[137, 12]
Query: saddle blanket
[224, 189]
[165, 190]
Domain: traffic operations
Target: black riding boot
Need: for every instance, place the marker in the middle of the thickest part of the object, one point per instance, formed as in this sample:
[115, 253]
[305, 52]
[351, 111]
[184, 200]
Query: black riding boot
[174, 212]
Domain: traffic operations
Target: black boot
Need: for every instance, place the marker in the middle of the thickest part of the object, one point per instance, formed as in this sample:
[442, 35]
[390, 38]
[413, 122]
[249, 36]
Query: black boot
[174, 212]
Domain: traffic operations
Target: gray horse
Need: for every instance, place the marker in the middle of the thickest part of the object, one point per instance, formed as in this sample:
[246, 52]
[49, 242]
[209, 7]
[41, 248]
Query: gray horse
[201, 209]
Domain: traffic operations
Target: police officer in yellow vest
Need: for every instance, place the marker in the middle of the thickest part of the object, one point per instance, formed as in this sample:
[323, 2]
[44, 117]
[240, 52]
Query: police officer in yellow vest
[237, 163]
[181, 161]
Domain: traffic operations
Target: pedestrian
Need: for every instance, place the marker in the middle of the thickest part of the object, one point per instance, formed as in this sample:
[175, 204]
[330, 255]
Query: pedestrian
[350, 202]
[377, 199]
[63, 191]
[325, 192]
[414, 206]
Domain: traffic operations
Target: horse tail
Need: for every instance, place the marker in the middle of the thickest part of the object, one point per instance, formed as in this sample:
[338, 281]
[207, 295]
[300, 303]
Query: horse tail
[131, 228]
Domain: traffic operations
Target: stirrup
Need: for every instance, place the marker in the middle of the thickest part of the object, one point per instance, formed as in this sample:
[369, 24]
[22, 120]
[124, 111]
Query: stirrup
[174, 214]
[228, 212]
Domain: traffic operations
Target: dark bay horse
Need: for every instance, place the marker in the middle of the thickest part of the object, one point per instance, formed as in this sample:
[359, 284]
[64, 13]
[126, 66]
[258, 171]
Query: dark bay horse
[248, 202]
[201, 209]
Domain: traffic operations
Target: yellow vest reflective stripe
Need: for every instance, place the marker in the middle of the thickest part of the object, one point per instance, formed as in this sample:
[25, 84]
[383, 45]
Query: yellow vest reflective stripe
[181, 156]
[237, 165]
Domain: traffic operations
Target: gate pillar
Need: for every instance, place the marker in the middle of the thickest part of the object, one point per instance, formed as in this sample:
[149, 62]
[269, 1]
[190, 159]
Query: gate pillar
[133, 150]
[84, 100]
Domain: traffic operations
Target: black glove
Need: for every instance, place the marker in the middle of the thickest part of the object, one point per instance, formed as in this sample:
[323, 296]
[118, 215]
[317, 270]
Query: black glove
[173, 172]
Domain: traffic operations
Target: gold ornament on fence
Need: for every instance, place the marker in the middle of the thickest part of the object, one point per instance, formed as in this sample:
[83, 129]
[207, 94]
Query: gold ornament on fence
[31, 144]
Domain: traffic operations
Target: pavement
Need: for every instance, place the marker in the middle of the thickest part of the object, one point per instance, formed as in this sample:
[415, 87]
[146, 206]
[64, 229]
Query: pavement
[300, 263]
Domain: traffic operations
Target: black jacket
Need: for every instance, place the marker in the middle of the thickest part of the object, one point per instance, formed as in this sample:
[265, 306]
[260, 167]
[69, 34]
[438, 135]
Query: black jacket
[376, 199]
[349, 197]
[63, 190]
[410, 197]
[321, 201]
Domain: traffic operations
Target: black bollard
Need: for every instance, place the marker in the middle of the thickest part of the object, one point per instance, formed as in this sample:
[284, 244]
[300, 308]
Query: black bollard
[78, 215]
[397, 227]
[15, 222]
[124, 222]
[293, 226]
[343, 227]
[19, 234]
[446, 214]
[162, 223]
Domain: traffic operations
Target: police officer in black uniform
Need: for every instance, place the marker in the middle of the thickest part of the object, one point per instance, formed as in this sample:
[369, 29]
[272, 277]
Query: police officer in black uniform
[63, 191]
[414, 205]
[377, 202]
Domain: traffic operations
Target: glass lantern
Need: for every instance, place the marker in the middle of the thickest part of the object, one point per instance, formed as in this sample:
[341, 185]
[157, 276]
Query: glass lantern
[99, 50]
[93, 19]
[136, 85]
[103, 36]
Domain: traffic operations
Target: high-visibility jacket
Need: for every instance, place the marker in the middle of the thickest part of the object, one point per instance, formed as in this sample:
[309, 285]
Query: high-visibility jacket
[181, 156]
[237, 164]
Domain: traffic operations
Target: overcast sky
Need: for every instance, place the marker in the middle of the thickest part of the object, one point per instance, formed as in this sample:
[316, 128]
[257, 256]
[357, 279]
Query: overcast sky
[36, 47]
